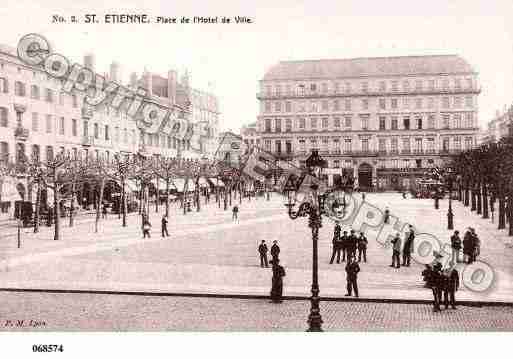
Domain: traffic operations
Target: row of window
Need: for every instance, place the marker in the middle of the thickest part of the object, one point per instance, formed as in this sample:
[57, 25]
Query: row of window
[455, 120]
[335, 145]
[49, 153]
[446, 102]
[336, 87]
[35, 93]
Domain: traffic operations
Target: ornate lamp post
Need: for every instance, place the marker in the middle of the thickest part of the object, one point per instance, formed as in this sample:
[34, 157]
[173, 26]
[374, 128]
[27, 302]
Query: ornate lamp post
[312, 209]
[450, 215]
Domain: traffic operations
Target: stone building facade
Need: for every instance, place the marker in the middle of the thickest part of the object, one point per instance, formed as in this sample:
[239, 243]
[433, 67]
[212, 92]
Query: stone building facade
[385, 120]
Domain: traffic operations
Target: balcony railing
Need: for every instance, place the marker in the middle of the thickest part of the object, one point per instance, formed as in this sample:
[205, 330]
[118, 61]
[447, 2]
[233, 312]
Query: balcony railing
[21, 133]
[87, 140]
[369, 92]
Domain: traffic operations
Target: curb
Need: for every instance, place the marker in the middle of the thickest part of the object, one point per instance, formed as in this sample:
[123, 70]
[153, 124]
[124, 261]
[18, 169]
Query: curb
[253, 296]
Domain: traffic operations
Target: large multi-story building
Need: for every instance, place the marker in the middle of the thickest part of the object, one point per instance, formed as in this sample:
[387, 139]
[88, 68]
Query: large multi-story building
[500, 126]
[39, 120]
[385, 119]
[202, 109]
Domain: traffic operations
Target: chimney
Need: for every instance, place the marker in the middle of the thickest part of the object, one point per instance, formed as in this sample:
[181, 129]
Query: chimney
[114, 72]
[171, 86]
[89, 61]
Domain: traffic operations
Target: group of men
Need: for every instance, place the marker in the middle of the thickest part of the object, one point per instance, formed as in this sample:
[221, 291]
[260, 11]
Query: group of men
[347, 245]
[407, 249]
[262, 250]
[277, 269]
[471, 246]
[440, 281]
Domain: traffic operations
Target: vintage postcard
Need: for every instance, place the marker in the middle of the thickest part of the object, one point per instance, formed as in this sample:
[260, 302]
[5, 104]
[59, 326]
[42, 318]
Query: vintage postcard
[291, 166]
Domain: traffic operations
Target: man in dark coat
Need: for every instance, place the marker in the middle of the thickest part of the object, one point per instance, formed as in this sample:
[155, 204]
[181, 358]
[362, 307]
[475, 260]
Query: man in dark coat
[336, 244]
[386, 216]
[437, 283]
[352, 269]
[344, 244]
[275, 250]
[352, 244]
[362, 247]
[396, 251]
[277, 281]
[262, 249]
[456, 247]
[408, 247]
[451, 285]
[468, 247]
[163, 223]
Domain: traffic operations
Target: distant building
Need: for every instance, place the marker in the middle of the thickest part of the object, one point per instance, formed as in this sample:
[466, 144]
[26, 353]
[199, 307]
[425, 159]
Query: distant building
[500, 126]
[384, 119]
[250, 135]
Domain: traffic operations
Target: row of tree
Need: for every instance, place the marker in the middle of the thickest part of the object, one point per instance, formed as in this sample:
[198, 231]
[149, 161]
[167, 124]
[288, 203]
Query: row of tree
[484, 178]
[65, 177]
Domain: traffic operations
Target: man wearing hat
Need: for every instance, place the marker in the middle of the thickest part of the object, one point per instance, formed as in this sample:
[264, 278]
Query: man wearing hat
[396, 251]
[336, 243]
[344, 245]
[437, 285]
[277, 281]
[352, 269]
[451, 285]
[275, 250]
[408, 246]
[456, 247]
[262, 249]
[468, 246]
[351, 244]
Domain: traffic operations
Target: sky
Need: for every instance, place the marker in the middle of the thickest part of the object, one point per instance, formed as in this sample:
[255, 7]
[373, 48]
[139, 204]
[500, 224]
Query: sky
[230, 59]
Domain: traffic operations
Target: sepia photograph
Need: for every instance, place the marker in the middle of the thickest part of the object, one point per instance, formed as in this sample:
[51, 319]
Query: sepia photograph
[255, 167]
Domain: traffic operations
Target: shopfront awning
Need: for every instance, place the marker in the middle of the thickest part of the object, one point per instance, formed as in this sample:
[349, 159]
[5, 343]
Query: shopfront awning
[8, 191]
[180, 184]
[216, 182]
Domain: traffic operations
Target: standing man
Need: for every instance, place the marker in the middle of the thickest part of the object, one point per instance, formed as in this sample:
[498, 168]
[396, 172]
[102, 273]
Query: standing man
[344, 245]
[468, 247]
[451, 285]
[165, 233]
[277, 281]
[235, 215]
[408, 247]
[352, 243]
[262, 249]
[362, 247]
[146, 226]
[352, 269]
[386, 216]
[456, 247]
[336, 243]
[396, 251]
[275, 250]
[104, 211]
[436, 285]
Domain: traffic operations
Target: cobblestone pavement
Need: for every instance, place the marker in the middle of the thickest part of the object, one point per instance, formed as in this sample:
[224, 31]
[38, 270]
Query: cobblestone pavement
[207, 253]
[98, 312]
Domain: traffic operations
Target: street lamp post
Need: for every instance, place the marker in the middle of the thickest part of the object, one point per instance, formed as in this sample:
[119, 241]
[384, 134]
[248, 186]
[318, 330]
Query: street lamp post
[450, 215]
[312, 209]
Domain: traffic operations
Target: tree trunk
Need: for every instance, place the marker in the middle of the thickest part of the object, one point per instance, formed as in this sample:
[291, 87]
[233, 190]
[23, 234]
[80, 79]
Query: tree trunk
[473, 201]
[466, 199]
[72, 206]
[485, 202]
[99, 205]
[123, 200]
[157, 197]
[38, 204]
[502, 213]
[56, 216]
[510, 214]
[167, 197]
[184, 197]
[479, 204]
